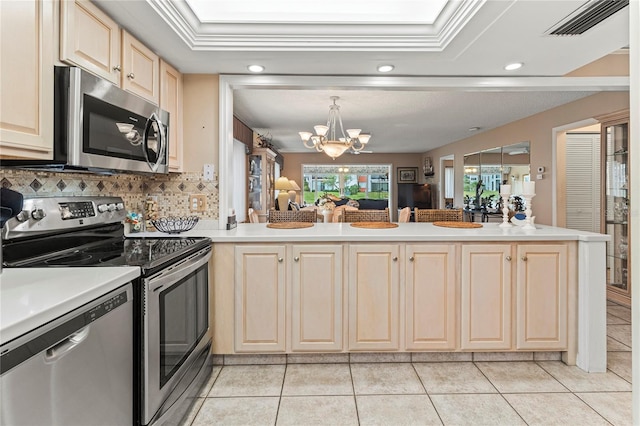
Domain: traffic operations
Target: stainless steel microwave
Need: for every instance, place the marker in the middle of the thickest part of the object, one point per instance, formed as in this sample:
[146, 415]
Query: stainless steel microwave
[99, 126]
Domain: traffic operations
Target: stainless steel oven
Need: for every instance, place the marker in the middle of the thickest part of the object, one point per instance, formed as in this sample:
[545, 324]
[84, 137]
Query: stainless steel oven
[176, 325]
[172, 340]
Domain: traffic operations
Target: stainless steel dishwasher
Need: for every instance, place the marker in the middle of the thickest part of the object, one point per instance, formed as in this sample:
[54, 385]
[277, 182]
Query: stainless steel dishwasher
[76, 370]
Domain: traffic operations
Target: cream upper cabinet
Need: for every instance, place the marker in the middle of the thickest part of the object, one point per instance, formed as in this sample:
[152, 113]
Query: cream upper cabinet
[316, 298]
[430, 297]
[171, 101]
[93, 41]
[374, 296]
[140, 69]
[259, 298]
[90, 39]
[541, 296]
[26, 79]
[486, 297]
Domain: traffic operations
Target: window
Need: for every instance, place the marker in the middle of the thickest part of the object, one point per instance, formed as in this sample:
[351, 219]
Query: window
[356, 181]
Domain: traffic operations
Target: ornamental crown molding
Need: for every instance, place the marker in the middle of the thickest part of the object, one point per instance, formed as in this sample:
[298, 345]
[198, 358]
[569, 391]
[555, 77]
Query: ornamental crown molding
[284, 36]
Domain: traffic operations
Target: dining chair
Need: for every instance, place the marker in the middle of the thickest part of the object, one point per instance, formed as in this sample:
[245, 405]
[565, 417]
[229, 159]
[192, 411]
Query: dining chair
[365, 215]
[253, 216]
[292, 216]
[405, 215]
[437, 215]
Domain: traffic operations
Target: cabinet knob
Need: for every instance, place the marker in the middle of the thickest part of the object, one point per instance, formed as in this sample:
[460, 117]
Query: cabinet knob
[411, 259]
[508, 258]
[296, 258]
[395, 258]
[524, 258]
[280, 259]
[131, 75]
[117, 68]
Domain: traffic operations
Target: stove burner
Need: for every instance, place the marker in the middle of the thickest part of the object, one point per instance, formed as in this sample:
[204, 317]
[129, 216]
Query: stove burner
[76, 258]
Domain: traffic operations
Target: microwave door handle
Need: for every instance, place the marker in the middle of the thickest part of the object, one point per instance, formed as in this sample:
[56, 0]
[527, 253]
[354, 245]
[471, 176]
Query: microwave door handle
[147, 131]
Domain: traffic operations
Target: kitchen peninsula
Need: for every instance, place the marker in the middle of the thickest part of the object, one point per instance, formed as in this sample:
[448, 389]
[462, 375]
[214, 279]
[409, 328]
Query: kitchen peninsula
[418, 287]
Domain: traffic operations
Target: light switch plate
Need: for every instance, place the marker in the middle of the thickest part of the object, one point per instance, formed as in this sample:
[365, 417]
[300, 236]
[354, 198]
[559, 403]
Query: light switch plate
[539, 177]
[209, 170]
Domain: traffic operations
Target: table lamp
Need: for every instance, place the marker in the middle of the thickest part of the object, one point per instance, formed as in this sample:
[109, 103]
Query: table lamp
[292, 191]
[283, 185]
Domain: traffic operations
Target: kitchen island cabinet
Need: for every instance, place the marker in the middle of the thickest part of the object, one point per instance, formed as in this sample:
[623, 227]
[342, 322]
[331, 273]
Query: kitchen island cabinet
[374, 297]
[430, 297]
[556, 299]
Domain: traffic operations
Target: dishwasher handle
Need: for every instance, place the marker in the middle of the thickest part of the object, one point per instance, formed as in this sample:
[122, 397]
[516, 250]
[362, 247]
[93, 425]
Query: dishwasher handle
[60, 349]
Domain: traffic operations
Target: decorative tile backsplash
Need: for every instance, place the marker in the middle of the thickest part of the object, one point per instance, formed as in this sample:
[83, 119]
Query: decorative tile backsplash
[172, 190]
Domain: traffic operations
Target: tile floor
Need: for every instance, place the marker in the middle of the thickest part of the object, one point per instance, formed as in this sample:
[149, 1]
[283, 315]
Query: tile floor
[401, 389]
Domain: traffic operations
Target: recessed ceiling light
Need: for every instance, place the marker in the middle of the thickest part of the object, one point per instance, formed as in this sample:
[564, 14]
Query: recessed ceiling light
[473, 129]
[385, 68]
[513, 66]
[255, 68]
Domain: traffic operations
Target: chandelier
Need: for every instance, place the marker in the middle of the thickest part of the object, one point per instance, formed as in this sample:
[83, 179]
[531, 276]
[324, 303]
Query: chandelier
[331, 139]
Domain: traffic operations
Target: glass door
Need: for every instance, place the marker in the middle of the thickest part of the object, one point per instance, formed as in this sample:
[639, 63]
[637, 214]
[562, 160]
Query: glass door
[615, 140]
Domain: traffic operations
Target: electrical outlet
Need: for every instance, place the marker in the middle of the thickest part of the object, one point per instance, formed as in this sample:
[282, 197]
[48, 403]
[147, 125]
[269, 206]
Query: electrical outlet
[198, 202]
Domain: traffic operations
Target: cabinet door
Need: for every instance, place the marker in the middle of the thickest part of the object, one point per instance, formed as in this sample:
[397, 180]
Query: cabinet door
[316, 298]
[26, 79]
[486, 297]
[90, 39]
[259, 298]
[171, 101]
[374, 297]
[140, 69]
[430, 321]
[541, 296]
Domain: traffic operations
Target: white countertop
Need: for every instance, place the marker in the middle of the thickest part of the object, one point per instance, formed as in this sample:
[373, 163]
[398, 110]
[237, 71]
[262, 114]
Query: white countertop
[410, 232]
[31, 297]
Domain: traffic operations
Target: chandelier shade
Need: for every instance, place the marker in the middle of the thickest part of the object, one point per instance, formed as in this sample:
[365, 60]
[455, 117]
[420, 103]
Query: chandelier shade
[331, 138]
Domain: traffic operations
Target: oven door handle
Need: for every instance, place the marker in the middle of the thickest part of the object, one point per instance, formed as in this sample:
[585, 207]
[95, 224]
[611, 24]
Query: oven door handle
[179, 270]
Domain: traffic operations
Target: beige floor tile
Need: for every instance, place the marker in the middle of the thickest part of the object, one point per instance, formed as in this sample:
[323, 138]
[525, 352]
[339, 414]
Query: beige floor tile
[480, 409]
[620, 311]
[547, 356]
[614, 406]
[614, 320]
[620, 363]
[379, 357]
[212, 378]
[578, 380]
[249, 380]
[441, 356]
[317, 410]
[373, 379]
[263, 359]
[453, 377]
[554, 409]
[622, 333]
[396, 410]
[317, 358]
[237, 411]
[317, 379]
[503, 356]
[510, 377]
[614, 345]
[191, 415]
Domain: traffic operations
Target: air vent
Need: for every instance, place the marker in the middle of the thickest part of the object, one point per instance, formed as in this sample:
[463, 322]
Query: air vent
[587, 16]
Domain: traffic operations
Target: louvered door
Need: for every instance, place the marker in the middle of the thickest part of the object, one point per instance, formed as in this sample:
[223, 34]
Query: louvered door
[583, 181]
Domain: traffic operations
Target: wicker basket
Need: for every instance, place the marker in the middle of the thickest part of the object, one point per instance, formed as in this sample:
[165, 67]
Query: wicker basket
[175, 225]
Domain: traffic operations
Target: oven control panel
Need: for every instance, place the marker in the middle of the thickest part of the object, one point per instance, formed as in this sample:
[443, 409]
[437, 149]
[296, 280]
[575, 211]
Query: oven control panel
[47, 215]
[76, 210]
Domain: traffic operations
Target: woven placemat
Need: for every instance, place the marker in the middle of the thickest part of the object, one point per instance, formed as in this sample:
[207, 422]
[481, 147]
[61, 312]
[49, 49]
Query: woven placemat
[458, 224]
[289, 225]
[374, 225]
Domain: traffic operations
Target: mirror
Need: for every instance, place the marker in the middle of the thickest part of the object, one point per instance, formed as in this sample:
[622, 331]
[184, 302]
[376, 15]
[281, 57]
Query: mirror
[486, 170]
